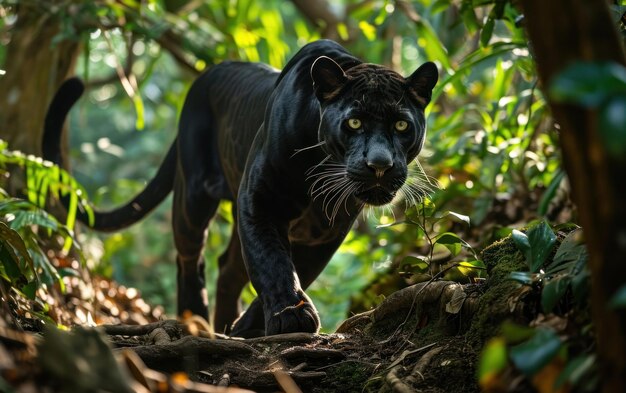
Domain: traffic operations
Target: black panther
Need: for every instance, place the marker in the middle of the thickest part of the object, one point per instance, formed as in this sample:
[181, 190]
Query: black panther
[298, 152]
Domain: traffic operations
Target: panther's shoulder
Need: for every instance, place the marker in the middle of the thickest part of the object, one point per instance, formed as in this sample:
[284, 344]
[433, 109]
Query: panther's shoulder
[300, 64]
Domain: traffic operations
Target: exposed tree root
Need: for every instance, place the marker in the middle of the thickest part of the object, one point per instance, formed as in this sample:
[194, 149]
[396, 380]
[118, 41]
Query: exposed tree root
[378, 349]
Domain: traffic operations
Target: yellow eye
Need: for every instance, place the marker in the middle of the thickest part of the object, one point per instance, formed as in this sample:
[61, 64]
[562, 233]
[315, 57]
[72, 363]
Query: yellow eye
[355, 124]
[401, 125]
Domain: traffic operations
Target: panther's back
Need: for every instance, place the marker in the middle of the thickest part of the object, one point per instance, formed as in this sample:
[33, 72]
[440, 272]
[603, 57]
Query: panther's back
[231, 97]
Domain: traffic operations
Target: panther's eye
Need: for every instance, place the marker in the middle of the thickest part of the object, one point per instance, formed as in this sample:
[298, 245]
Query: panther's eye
[401, 125]
[353, 123]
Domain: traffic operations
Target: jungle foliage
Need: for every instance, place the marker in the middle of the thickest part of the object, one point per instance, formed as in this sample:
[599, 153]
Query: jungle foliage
[492, 153]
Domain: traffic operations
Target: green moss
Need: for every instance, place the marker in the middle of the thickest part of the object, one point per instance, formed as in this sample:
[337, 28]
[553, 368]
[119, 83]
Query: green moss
[349, 376]
[501, 258]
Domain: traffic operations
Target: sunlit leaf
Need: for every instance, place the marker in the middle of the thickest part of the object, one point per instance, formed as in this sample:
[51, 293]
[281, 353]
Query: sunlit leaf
[433, 46]
[493, 360]
[471, 268]
[521, 241]
[139, 110]
[342, 30]
[536, 244]
[451, 241]
[36, 217]
[418, 212]
[526, 278]
[495, 50]
[368, 30]
[457, 216]
[534, 354]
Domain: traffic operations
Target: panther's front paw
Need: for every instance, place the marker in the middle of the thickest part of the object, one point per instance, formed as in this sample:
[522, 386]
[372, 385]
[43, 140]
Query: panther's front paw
[301, 317]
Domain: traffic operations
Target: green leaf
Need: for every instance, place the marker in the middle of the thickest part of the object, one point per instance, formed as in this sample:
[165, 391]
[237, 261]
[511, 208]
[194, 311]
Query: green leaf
[459, 217]
[16, 243]
[427, 207]
[30, 290]
[473, 60]
[553, 291]
[619, 299]
[472, 268]
[415, 264]
[10, 262]
[68, 272]
[536, 244]
[493, 360]
[612, 128]
[434, 48]
[525, 278]
[550, 192]
[34, 217]
[487, 32]
[342, 30]
[534, 354]
[580, 285]
[576, 370]
[571, 256]
[588, 84]
[139, 109]
[482, 206]
[424, 209]
[451, 241]
[469, 17]
[521, 241]
[514, 333]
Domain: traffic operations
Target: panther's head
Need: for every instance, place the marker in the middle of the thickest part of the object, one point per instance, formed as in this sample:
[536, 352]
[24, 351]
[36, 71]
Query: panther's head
[372, 126]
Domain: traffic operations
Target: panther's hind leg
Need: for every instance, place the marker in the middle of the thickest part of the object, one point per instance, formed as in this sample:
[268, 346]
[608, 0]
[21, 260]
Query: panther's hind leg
[232, 278]
[192, 209]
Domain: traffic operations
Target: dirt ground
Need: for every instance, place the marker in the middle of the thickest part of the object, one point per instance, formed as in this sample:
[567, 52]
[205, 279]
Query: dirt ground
[424, 338]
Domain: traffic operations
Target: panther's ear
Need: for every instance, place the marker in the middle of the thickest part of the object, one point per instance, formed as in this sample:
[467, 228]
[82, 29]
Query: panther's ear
[328, 78]
[423, 80]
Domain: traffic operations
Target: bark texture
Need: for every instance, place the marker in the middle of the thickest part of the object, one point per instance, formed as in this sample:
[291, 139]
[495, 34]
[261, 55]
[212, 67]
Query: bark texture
[35, 67]
[562, 32]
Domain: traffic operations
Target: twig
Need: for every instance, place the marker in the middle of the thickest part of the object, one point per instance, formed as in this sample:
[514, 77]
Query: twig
[285, 381]
[396, 383]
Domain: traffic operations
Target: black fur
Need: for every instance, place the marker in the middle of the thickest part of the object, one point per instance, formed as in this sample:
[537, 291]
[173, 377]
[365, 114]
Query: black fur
[279, 145]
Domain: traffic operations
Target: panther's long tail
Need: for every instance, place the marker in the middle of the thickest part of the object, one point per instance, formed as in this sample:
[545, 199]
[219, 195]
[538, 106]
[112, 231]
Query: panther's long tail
[154, 193]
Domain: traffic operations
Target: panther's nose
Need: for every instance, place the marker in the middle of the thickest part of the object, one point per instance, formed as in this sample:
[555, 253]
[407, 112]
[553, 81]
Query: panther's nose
[380, 164]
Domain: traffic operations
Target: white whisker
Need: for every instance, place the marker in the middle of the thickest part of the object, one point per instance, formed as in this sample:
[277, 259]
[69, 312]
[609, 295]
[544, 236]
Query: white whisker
[307, 148]
[344, 194]
[311, 169]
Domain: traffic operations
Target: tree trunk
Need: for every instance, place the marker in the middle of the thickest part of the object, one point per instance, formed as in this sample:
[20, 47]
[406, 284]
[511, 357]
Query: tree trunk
[35, 67]
[562, 32]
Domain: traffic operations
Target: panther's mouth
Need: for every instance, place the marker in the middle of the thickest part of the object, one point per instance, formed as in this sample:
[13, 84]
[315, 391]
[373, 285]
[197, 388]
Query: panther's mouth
[376, 195]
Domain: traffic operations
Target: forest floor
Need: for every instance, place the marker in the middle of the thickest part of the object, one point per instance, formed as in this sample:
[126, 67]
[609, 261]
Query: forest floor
[423, 338]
